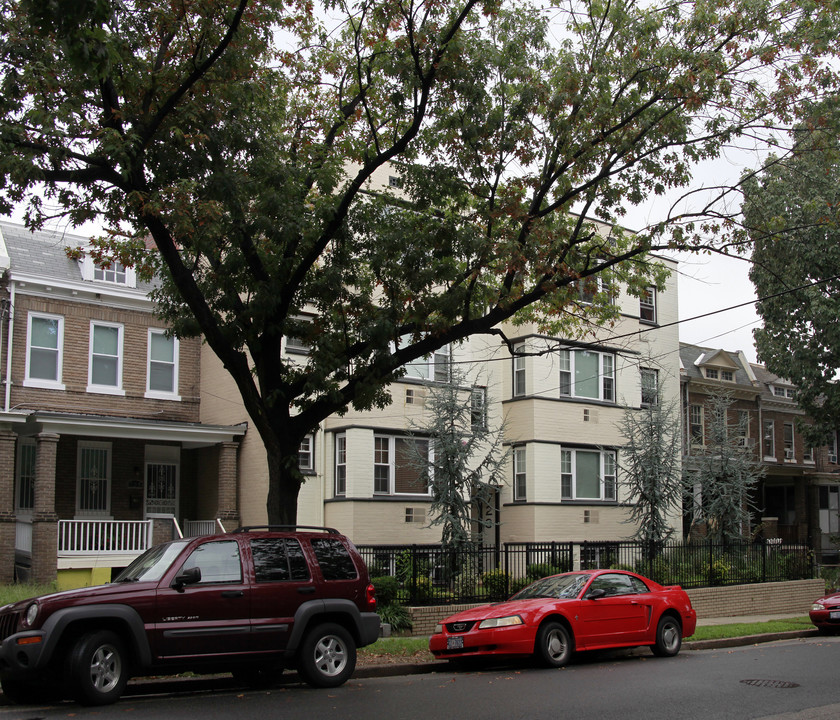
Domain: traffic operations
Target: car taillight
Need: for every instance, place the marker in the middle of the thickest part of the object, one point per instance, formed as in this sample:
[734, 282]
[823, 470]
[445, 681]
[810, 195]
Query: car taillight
[370, 597]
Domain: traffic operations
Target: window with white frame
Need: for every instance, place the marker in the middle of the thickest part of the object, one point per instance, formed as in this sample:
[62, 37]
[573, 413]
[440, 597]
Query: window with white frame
[727, 375]
[591, 286]
[44, 351]
[306, 454]
[768, 440]
[807, 454]
[107, 271]
[520, 476]
[340, 464]
[743, 428]
[647, 305]
[832, 447]
[518, 370]
[587, 475]
[113, 273]
[650, 386]
[25, 477]
[712, 373]
[399, 464]
[695, 425]
[587, 374]
[93, 479]
[436, 366]
[106, 357]
[787, 439]
[162, 365]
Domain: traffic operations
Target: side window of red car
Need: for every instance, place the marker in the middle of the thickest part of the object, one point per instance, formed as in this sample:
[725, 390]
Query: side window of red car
[334, 559]
[638, 585]
[278, 559]
[613, 584]
[218, 561]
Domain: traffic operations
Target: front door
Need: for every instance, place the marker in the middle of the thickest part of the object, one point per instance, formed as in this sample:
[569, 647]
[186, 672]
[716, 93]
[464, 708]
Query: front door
[162, 488]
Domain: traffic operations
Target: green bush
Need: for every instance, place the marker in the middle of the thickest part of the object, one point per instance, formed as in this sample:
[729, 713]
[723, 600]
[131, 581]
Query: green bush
[387, 589]
[407, 567]
[397, 616]
[496, 583]
[535, 571]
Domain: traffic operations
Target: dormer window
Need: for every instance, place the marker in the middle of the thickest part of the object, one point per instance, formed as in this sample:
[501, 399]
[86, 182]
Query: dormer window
[712, 373]
[108, 271]
[727, 375]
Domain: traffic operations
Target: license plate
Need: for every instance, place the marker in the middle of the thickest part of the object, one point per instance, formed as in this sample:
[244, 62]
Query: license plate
[455, 643]
[834, 614]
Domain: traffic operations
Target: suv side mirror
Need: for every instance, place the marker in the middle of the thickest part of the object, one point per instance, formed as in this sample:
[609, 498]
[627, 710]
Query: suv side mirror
[190, 576]
[595, 594]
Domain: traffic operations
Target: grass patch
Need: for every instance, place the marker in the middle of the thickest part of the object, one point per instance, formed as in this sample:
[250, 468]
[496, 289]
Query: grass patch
[23, 591]
[716, 632]
[397, 647]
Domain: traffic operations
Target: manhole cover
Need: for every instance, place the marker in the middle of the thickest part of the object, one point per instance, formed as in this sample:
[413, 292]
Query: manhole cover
[771, 683]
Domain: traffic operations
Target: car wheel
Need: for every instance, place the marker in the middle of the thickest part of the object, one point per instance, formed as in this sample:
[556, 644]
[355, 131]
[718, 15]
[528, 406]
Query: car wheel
[97, 668]
[668, 637]
[327, 656]
[554, 644]
[21, 691]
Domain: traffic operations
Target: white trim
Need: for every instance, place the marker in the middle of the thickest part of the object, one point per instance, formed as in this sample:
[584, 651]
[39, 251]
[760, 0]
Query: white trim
[107, 389]
[28, 381]
[160, 394]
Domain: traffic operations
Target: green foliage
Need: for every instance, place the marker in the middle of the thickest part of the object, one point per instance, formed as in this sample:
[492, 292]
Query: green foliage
[24, 591]
[408, 566]
[831, 575]
[725, 472]
[651, 469]
[466, 465]
[387, 589]
[243, 141]
[792, 211]
[535, 571]
[496, 584]
[397, 616]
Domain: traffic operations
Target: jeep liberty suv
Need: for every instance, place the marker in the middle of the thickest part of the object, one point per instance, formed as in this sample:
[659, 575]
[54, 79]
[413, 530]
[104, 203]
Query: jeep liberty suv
[251, 602]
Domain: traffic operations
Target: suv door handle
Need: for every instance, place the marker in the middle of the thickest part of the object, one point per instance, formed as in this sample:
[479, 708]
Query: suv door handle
[308, 590]
[232, 593]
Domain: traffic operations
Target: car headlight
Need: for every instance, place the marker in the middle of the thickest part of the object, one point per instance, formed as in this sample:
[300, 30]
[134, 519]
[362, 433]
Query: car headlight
[500, 622]
[31, 614]
[817, 606]
[438, 629]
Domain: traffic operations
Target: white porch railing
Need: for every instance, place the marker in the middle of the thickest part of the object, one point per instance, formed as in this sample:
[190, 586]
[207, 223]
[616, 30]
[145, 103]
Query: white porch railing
[194, 528]
[23, 537]
[106, 537]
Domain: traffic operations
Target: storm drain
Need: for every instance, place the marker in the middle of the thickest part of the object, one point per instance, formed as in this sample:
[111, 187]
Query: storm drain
[783, 684]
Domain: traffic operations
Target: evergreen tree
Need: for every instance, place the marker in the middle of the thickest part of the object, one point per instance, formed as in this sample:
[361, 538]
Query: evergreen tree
[465, 464]
[650, 462]
[723, 474]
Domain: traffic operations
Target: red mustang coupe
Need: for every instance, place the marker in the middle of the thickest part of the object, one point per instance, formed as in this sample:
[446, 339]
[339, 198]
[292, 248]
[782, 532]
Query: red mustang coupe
[555, 616]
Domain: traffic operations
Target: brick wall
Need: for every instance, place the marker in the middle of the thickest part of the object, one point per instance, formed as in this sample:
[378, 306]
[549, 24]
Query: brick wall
[778, 598]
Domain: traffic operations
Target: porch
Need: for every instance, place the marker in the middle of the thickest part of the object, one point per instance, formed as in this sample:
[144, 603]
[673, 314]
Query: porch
[90, 551]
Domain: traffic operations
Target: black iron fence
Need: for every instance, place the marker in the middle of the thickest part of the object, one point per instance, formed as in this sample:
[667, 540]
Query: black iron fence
[432, 575]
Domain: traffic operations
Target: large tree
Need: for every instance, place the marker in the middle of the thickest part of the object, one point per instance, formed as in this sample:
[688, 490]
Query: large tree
[242, 136]
[792, 211]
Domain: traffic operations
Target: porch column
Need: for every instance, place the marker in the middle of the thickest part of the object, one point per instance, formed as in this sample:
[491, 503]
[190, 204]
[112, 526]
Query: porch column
[228, 511]
[44, 517]
[7, 506]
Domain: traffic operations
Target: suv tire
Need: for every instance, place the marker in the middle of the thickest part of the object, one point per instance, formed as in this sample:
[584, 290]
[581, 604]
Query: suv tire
[327, 656]
[97, 668]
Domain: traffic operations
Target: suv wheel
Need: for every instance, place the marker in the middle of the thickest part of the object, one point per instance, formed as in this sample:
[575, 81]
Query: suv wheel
[327, 656]
[97, 668]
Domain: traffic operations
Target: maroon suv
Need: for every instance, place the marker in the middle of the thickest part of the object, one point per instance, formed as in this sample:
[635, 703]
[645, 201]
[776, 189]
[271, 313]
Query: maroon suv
[250, 602]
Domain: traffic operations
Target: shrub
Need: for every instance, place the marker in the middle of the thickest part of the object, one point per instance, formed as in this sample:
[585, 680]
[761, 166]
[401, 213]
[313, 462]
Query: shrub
[535, 571]
[387, 590]
[396, 616]
[496, 583]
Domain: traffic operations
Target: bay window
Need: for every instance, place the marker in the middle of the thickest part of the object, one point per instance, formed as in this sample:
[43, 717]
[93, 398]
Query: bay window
[400, 465]
[587, 374]
[587, 475]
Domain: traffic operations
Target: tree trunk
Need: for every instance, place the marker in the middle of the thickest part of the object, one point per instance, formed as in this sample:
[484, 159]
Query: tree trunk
[284, 481]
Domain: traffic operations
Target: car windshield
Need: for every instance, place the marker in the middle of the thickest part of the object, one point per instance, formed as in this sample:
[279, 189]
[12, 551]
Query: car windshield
[558, 586]
[153, 563]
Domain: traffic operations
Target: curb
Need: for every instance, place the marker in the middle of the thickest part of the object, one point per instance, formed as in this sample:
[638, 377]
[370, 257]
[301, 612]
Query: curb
[423, 668]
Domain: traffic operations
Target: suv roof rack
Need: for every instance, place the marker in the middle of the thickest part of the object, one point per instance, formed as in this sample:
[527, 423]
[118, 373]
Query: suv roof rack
[263, 528]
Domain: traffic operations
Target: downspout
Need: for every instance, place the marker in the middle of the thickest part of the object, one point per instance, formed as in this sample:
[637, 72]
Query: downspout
[10, 325]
